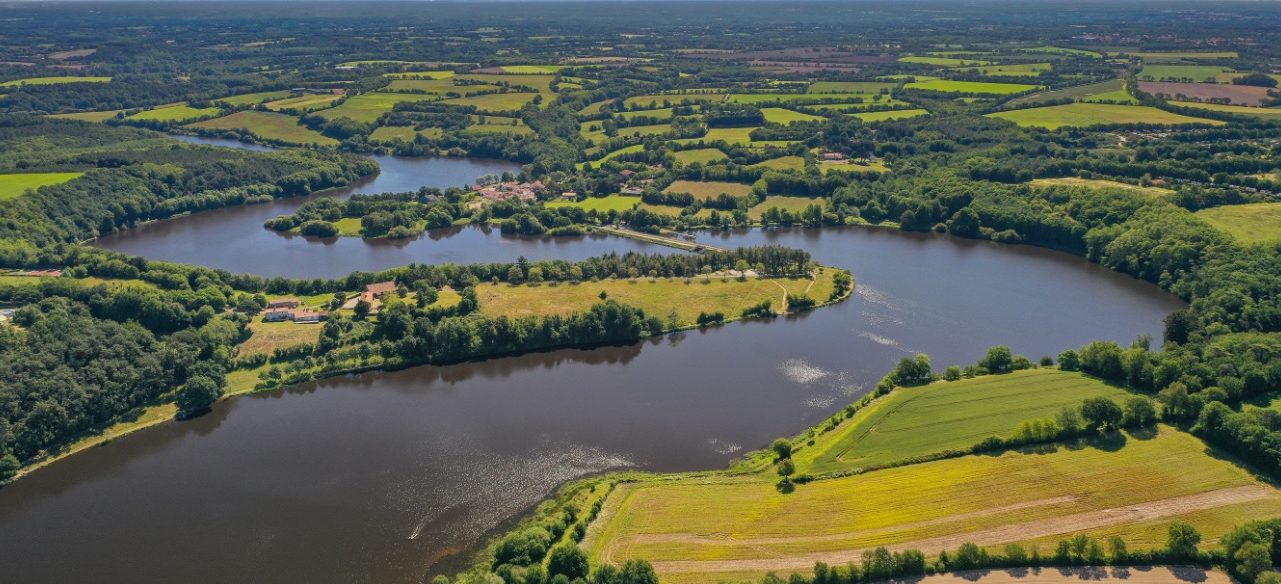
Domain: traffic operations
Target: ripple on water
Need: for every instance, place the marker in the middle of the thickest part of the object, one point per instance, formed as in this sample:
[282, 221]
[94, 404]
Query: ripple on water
[802, 371]
[720, 446]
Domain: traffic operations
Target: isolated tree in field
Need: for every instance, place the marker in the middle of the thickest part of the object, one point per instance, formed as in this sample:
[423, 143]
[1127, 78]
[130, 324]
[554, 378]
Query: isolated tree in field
[782, 448]
[569, 560]
[198, 394]
[999, 359]
[786, 467]
[1069, 360]
[1101, 413]
[1183, 540]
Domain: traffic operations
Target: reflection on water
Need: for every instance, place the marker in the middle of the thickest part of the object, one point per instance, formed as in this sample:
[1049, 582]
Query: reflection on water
[392, 477]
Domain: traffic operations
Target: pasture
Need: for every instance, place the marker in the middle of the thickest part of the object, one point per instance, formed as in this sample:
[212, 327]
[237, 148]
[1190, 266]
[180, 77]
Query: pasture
[1091, 183]
[944, 61]
[849, 87]
[252, 98]
[305, 103]
[659, 114]
[668, 100]
[1262, 112]
[1083, 115]
[497, 125]
[269, 126]
[793, 205]
[794, 98]
[882, 116]
[658, 297]
[54, 80]
[101, 116]
[495, 102]
[1111, 90]
[421, 75]
[976, 87]
[368, 107]
[1232, 94]
[778, 115]
[266, 337]
[403, 133]
[943, 416]
[532, 69]
[710, 189]
[719, 527]
[1252, 223]
[699, 155]
[876, 101]
[15, 185]
[1013, 70]
[873, 166]
[617, 203]
[175, 113]
[783, 163]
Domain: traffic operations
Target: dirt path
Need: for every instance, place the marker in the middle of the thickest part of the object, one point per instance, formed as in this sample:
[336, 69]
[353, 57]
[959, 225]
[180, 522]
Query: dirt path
[997, 535]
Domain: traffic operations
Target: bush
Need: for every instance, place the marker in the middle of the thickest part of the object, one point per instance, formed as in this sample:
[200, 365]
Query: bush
[567, 560]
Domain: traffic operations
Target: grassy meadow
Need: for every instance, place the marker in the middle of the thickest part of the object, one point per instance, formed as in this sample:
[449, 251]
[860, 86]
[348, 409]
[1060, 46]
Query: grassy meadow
[15, 185]
[704, 190]
[253, 98]
[778, 115]
[659, 297]
[943, 416]
[175, 113]
[792, 205]
[1252, 223]
[55, 80]
[1090, 183]
[882, 116]
[618, 203]
[699, 155]
[367, 107]
[978, 87]
[267, 125]
[1084, 115]
[1240, 110]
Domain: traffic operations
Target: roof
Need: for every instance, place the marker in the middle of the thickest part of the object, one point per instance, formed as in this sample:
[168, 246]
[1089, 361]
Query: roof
[381, 287]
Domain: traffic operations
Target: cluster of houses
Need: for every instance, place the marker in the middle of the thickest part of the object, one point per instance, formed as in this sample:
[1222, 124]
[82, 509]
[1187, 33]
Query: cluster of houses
[525, 191]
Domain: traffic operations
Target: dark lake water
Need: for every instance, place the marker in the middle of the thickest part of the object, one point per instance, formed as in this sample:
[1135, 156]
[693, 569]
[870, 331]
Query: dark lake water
[233, 238]
[393, 477]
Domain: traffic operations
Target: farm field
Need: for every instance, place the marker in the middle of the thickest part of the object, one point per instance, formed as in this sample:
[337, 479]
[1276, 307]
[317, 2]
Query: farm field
[700, 155]
[266, 337]
[1236, 94]
[1099, 184]
[868, 87]
[881, 116]
[269, 126]
[367, 107]
[778, 115]
[733, 136]
[1077, 93]
[598, 135]
[533, 69]
[944, 61]
[615, 154]
[710, 527]
[15, 185]
[1159, 56]
[1184, 73]
[303, 102]
[101, 116]
[1262, 112]
[421, 75]
[495, 102]
[1252, 223]
[667, 100]
[54, 80]
[659, 297]
[783, 163]
[253, 98]
[875, 166]
[660, 114]
[618, 203]
[405, 133]
[792, 205]
[704, 190]
[979, 87]
[1082, 115]
[875, 101]
[490, 124]
[1013, 70]
[175, 113]
[792, 98]
[943, 416]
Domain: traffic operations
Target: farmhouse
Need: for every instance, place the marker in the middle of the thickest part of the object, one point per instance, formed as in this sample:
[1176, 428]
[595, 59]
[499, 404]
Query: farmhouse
[277, 316]
[283, 303]
[307, 316]
[380, 289]
[526, 191]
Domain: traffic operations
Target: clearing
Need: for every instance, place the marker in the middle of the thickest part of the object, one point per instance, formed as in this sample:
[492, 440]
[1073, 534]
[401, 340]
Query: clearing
[1252, 223]
[1092, 183]
[710, 189]
[15, 185]
[699, 155]
[54, 80]
[269, 336]
[1082, 115]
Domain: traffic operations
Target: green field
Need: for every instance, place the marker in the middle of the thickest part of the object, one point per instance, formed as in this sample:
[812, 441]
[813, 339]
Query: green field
[1099, 184]
[870, 87]
[1013, 70]
[304, 103]
[367, 107]
[533, 69]
[618, 203]
[253, 98]
[421, 75]
[724, 528]
[733, 136]
[598, 135]
[1064, 51]
[922, 421]
[660, 297]
[1253, 223]
[403, 133]
[89, 116]
[1262, 112]
[881, 116]
[874, 166]
[1111, 90]
[1193, 73]
[666, 100]
[1185, 55]
[944, 61]
[54, 80]
[15, 185]
[267, 125]
[1083, 115]
[795, 98]
[783, 163]
[874, 102]
[659, 114]
[792, 205]
[700, 155]
[704, 190]
[495, 102]
[778, 115]
[979, 87]
[176, 113]
[489, 124]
